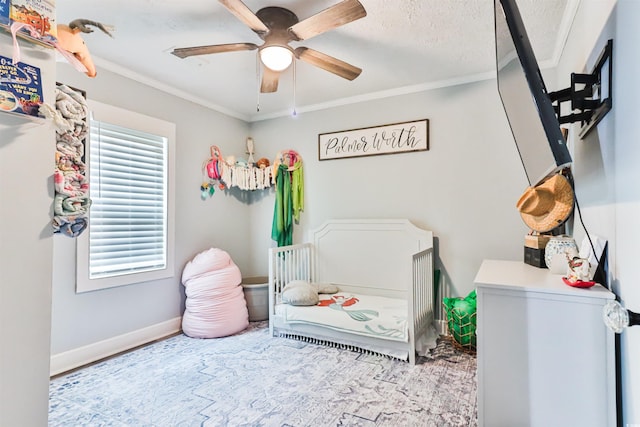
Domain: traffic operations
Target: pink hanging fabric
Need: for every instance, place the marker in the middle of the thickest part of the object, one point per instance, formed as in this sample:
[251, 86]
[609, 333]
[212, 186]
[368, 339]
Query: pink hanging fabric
[17, 26]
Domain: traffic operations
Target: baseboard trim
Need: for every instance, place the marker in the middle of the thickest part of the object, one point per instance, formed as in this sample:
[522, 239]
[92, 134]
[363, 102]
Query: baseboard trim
[81, 356]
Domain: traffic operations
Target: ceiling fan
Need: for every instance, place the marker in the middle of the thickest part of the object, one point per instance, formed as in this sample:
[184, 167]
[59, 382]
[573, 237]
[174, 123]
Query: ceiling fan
[278, 26]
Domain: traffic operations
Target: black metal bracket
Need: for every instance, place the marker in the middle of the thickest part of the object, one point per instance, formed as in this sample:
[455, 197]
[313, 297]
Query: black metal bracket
[590, 95]
[634, 318]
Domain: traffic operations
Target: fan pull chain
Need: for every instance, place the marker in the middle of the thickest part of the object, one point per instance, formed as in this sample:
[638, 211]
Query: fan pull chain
[258, 81]
[294, 113]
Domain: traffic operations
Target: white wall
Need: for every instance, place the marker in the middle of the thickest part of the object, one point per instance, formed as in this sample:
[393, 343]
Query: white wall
[26, 191]
[220, 221]
[606, 164]
[627, 176]
[464, 188]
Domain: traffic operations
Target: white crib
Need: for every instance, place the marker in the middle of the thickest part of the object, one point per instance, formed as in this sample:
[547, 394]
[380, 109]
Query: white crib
[388, 258]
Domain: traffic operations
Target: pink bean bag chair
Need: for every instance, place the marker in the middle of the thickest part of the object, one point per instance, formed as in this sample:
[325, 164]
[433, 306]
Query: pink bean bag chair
[215, 305]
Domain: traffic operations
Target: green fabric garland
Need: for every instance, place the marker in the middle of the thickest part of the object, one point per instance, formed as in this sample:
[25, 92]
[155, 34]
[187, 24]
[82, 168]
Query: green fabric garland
[282, 227]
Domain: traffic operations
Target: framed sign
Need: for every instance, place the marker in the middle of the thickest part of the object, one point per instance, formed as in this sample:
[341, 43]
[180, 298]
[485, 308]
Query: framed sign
[388, 139]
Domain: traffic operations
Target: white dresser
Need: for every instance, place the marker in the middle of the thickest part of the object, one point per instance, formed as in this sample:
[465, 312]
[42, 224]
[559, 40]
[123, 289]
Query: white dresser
[545, 356]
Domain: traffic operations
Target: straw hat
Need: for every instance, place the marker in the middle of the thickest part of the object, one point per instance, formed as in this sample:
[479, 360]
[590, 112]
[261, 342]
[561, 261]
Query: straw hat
[547, 205]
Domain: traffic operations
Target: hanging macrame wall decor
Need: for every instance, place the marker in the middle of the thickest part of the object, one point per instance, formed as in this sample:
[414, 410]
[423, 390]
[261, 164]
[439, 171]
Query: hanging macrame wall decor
[227, 172]
[285, 173]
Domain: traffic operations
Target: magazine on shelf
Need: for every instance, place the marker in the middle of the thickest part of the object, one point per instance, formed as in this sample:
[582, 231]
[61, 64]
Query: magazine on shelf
[39, 14]
[20, 88]
[5, 5]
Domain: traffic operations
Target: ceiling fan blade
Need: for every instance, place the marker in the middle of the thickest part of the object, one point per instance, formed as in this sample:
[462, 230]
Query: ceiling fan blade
[328, 63]
[269, 80]
[243, 13]
[330, 18]
[183, 52]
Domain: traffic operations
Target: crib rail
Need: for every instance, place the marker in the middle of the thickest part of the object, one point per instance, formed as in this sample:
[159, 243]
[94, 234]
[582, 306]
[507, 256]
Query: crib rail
[421, 301]
[287, 263]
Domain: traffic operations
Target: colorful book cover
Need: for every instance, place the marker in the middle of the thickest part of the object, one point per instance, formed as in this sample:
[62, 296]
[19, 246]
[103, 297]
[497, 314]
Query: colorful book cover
[20, 87]
[40, 14]
[5, 5]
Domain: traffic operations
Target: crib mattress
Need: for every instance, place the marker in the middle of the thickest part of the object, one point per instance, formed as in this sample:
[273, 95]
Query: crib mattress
[366, 315]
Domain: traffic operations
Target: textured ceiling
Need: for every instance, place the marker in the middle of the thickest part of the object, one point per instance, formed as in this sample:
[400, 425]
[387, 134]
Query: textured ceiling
[401, 45]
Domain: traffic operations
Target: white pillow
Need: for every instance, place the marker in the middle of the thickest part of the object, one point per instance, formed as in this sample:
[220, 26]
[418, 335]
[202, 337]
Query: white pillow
[299, 292]
[326, 288]
[296, 284]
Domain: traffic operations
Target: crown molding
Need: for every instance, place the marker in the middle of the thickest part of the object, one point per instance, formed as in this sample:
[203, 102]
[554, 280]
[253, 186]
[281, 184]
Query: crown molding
[117, 69]
[405, 90]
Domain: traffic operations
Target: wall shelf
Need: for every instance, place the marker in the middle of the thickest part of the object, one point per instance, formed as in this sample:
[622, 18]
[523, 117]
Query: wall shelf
[24, 36]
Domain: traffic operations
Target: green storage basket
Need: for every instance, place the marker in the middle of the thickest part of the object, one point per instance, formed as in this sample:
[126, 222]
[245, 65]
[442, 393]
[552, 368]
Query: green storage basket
[461, 319]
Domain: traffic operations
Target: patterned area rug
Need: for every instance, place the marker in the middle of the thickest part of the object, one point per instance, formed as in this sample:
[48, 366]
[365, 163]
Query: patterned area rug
[252, 379]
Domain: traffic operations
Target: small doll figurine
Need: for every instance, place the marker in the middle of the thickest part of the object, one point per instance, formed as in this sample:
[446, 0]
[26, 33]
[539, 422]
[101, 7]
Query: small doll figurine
[263, 163]
[578, 270]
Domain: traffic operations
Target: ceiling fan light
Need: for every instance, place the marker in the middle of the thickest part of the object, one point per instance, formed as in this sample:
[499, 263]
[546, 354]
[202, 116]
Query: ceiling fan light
[276, 58]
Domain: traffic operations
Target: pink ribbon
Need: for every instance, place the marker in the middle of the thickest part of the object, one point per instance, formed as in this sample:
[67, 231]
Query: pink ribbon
[70, 57]
[15, 27]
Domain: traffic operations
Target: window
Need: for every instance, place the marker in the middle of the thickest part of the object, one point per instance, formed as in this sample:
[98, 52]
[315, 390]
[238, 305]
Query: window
[130, 234]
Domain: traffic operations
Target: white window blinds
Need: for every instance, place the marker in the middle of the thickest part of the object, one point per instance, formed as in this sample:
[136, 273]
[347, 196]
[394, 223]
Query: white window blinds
[128, 189]
[131, 170]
